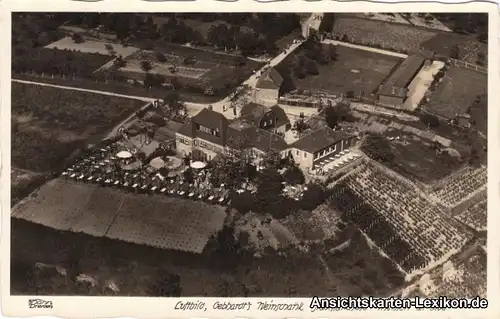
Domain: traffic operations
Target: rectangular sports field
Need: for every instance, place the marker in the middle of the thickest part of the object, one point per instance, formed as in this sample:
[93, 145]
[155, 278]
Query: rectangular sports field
[354, 70]
[153, 220]
[457, 92]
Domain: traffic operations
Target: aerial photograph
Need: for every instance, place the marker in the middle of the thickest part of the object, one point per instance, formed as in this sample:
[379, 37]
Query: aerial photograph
[249, 154]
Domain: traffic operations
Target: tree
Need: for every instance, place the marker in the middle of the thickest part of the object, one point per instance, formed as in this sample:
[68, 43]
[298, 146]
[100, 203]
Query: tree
[378, 148]
[455, 52]
[300, 126]
[481, 59]
[429, 120]
[146, 66]
[188, 175]
[160, 57]
[166, 285]
[269, 189]
[77, 38]
[293, 175]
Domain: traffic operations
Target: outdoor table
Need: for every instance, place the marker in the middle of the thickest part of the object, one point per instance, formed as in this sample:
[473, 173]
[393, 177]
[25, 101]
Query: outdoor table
[64, 173]
[90, 178]
[116, 182]
[172, 191]
[144, 186]
[106, 161]
[73, 175]
[102, 150]
[70, 169]
[191, 194]
[98, 179]
[200, 196]
[163, 189]
[107, 181]
[134, 186]
[221, 199]
[181, 193]
[112, 157]
[97, 166]
[153, 188]
[211, 197]
[81, 176]
[125, 184]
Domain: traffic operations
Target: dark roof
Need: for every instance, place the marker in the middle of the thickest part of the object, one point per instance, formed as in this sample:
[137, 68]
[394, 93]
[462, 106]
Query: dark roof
[270, 79]
[211, 119]
[280, 114]
[399, 80]
[260, 139]
[319, 140]
[253, 113]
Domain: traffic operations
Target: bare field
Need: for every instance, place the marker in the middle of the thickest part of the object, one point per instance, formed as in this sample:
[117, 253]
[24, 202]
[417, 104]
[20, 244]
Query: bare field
[158, 221]
[89, 46]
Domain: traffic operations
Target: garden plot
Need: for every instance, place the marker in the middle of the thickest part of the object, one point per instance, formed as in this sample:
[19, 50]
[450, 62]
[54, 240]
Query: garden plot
[168, 223]
[461, 187]
[89, 46]
[475, 217]
[172, 67]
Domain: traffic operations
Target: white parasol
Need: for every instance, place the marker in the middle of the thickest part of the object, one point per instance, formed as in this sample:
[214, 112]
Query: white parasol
[124, 154]
[157, 163]
[198, 165]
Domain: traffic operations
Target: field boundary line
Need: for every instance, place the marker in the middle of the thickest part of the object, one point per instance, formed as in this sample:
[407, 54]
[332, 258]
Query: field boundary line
[117, 213]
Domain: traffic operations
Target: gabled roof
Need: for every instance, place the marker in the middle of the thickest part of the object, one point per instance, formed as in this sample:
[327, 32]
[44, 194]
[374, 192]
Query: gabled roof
[253, 113]
[399, 80]
[258, 138]
[270, 79]
[210, 119]
[319, 140]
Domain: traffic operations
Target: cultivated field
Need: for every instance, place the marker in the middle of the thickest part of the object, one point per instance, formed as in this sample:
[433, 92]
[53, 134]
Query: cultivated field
[462, 186]
[475, 217]
[418, 160]
[49, 124]
[457, 92]
[380, 34]
[354, 70]
[406, 225]
[89, 46]
[356, 270]
[157, 221]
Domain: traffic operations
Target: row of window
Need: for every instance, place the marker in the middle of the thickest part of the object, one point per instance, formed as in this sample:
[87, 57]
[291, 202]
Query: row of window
[208, 130]
[325, 152]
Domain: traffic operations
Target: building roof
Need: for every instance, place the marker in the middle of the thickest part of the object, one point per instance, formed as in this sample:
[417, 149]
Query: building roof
[211, 119]
[258, 138]
[253, 113]
[270, 79]
[398, 81]
[319, 140]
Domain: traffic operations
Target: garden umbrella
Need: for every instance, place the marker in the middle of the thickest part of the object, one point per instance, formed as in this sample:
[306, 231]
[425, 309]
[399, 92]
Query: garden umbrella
[124, 154]
[157, 163]
[198, 165]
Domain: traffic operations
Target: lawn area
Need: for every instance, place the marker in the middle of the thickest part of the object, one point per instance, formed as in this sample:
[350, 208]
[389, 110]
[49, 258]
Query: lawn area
[418, 160]
[457, 92]
[381, 34]
[49, 124]
[354, 271]
[468, 46]
[353, 70]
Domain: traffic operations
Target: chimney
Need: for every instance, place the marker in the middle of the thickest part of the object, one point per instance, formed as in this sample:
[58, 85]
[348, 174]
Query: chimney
[210, 107]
